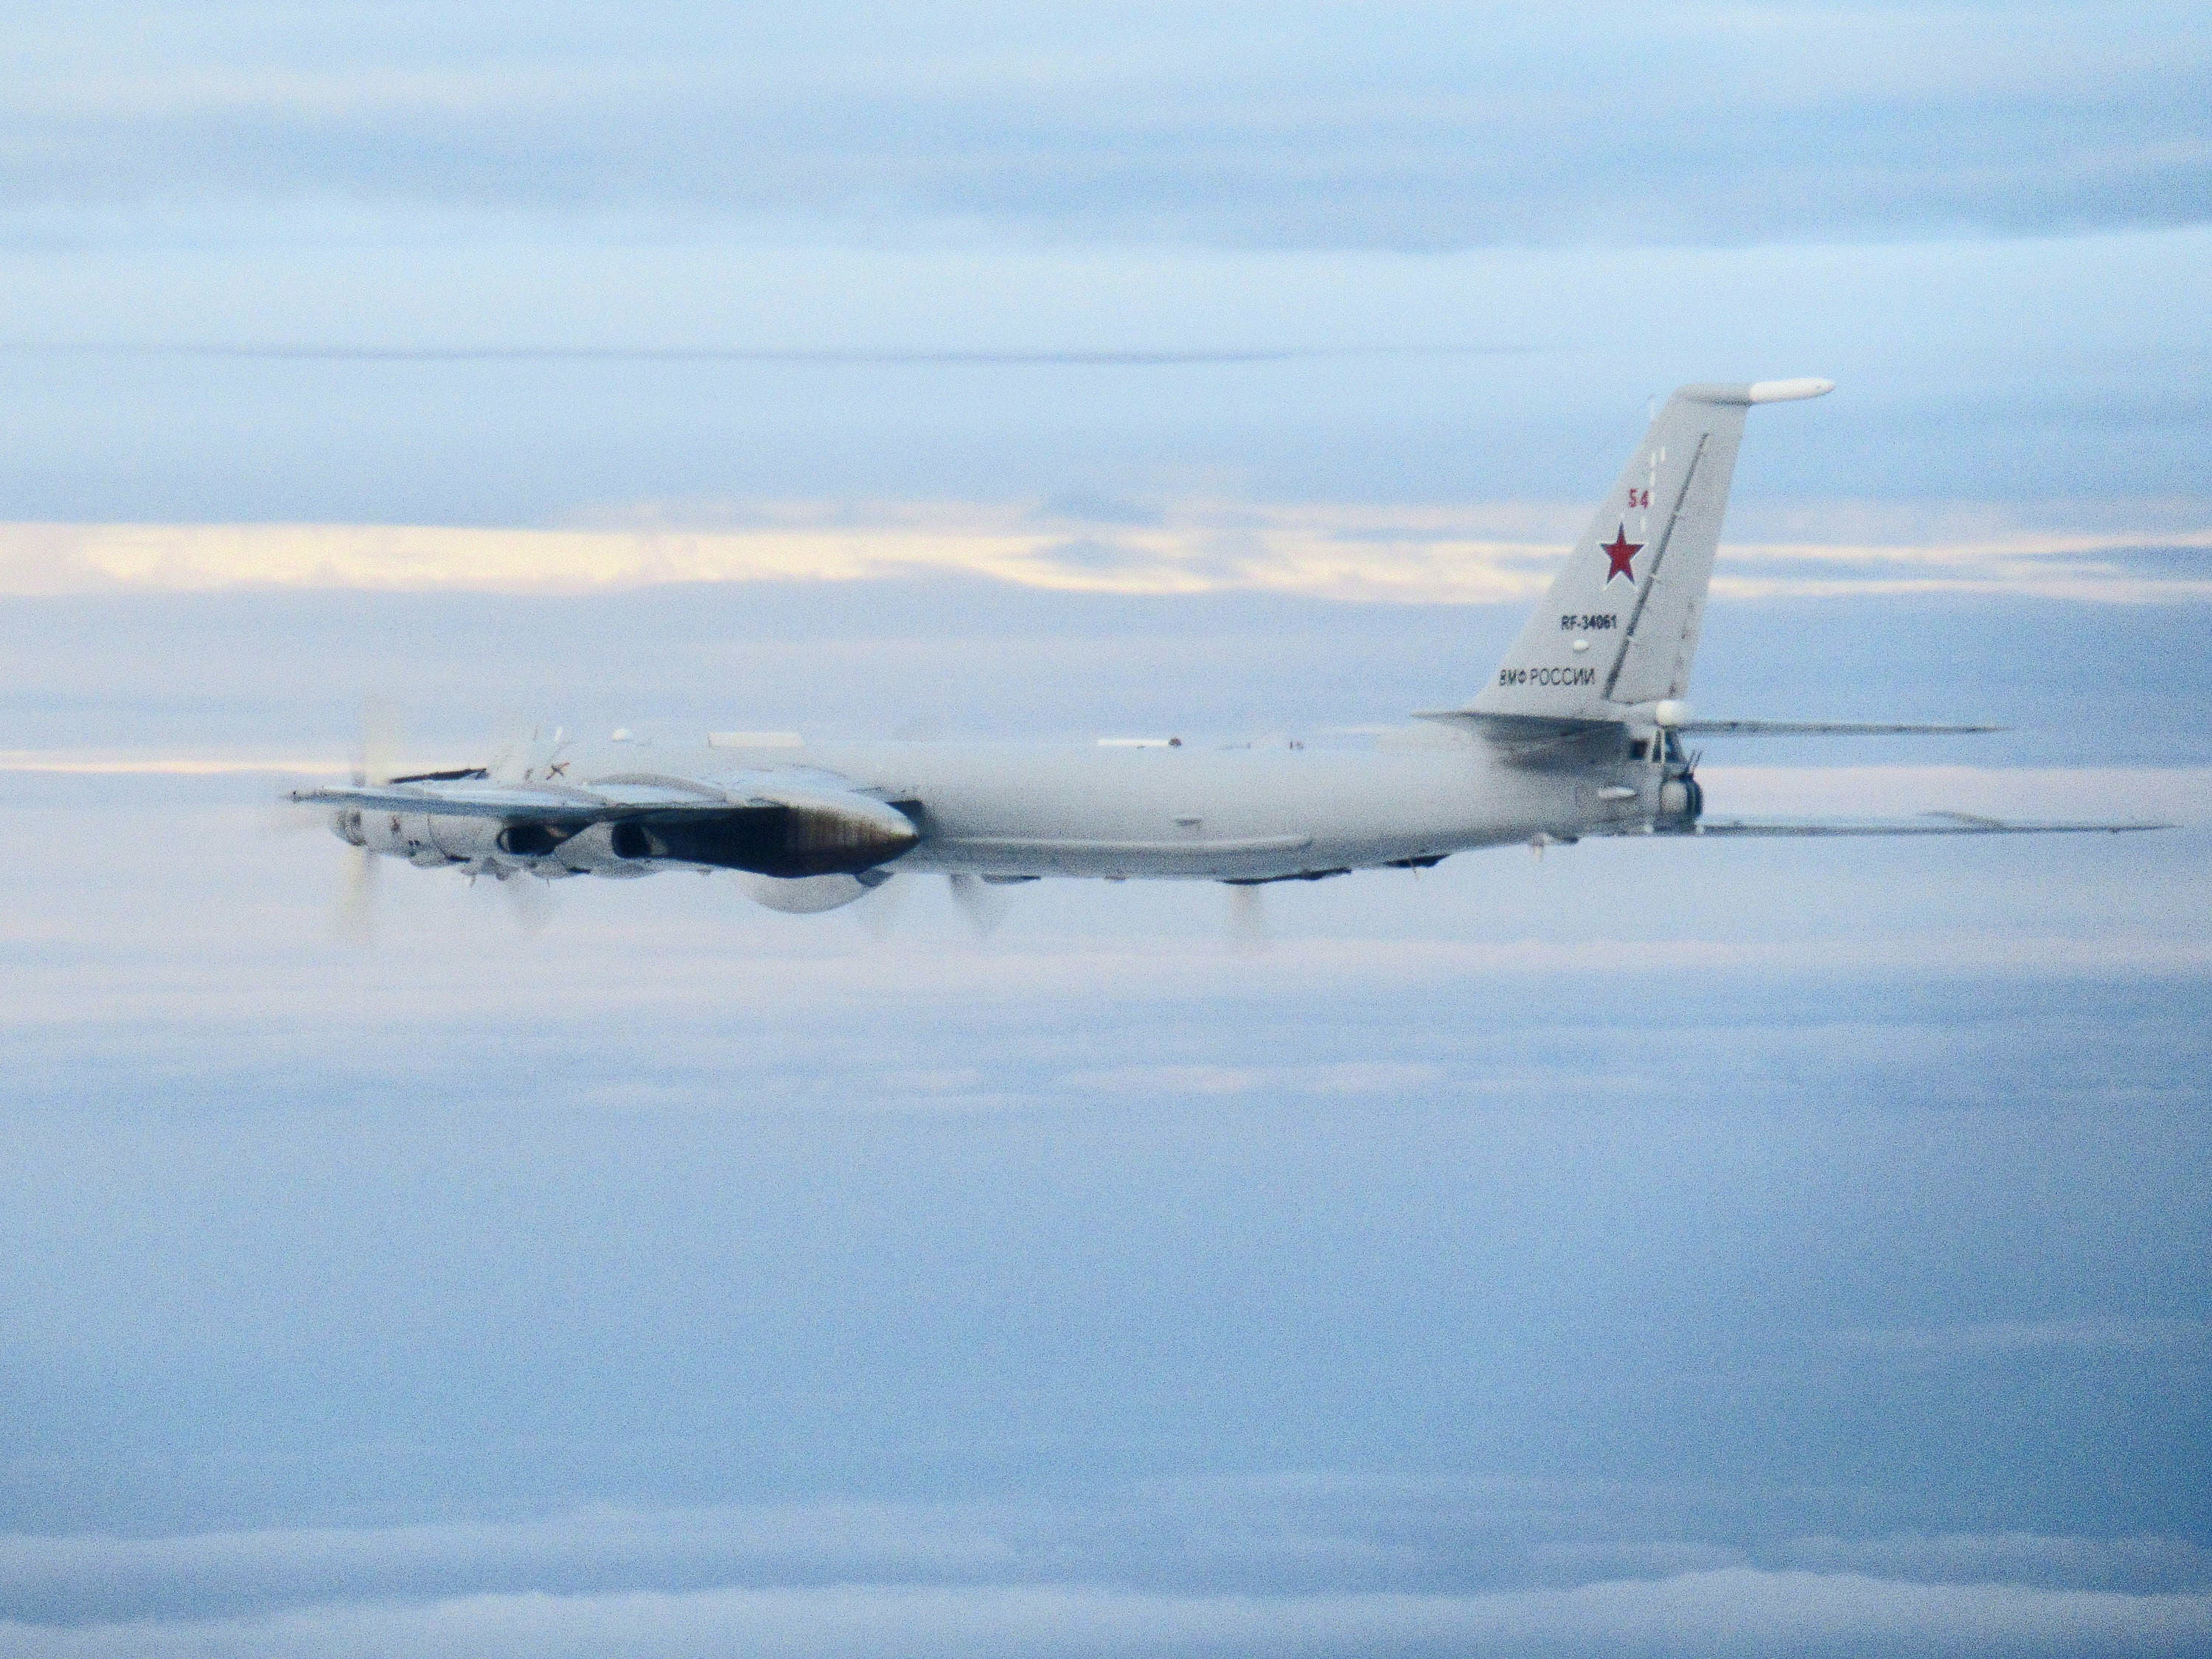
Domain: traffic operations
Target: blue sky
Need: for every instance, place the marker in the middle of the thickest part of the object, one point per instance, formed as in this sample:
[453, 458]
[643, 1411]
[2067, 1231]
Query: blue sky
[1640, 1250]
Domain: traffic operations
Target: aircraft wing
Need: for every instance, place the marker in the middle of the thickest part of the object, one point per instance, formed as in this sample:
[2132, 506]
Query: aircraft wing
[515, 803]
[478, 795]
[1928, 823]
[790, 822]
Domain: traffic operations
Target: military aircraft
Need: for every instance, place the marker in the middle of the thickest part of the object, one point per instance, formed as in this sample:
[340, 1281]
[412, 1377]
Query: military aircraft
[1580, 732]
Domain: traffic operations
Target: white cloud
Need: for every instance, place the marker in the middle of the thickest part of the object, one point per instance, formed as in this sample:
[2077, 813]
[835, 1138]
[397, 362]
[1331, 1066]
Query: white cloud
[82, 763]
[1336, 551]
[1430, 126]
[2013, 1557]
[1345, 1078]
[1726, 1612]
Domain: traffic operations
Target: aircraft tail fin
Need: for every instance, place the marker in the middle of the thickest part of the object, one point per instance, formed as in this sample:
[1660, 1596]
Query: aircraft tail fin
[1619, 626]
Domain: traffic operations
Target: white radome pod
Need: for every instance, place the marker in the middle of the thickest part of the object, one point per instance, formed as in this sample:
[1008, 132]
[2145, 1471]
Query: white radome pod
[1670, 713]
[802, 896]
[1787, 392]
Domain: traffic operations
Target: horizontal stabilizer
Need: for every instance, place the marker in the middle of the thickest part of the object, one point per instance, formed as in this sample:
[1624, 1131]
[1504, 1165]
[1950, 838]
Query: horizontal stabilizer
[1929, 823]
[1823, 729]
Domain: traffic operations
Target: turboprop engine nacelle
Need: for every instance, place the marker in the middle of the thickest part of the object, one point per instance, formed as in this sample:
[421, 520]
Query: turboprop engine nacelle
[794, 838]
[425, 838]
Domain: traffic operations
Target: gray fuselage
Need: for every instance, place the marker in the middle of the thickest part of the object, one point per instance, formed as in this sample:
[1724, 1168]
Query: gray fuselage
[1242, 812]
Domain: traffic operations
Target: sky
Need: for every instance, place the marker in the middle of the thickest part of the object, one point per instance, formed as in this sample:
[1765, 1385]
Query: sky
[1726, 1249]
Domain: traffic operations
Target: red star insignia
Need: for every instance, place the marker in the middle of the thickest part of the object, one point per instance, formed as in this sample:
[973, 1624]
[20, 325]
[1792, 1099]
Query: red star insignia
[1622, 551]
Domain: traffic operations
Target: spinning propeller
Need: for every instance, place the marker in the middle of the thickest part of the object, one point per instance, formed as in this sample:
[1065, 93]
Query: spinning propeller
[375, 760]
[985, 904]
[1248, 917]
[378, 742]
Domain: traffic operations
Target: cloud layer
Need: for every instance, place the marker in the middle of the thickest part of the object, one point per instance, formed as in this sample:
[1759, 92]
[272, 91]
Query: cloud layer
[1506, 1257]
[1407, 555]
[1726, 1612]
[1414, 126]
